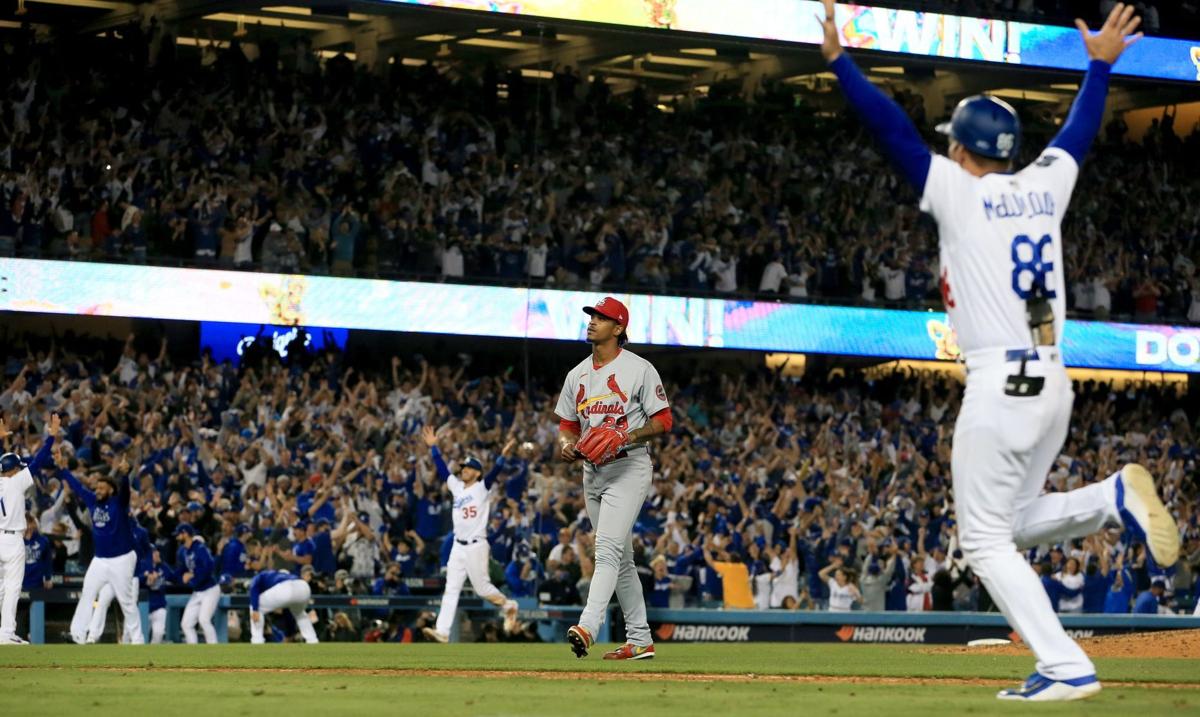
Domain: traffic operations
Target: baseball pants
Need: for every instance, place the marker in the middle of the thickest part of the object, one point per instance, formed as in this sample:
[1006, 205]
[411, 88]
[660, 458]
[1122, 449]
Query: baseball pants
[118, 573]
[158, 625]
[100, 613]
[1004, 446]
[201, 607]
[292, 595]
[615, 493]
[12, 574]
[467, 562]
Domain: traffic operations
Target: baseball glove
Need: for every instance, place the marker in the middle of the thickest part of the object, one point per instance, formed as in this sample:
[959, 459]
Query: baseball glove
[602, 444]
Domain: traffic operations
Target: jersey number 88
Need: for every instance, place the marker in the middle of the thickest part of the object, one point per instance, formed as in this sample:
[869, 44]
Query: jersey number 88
[1029, 260]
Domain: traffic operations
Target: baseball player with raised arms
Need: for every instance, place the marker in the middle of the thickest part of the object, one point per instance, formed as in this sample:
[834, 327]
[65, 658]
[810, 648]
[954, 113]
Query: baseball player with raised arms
[1004, 288]
[115, 558]
[16, 479]
[273, 590]
[611, 404]
[470, 551]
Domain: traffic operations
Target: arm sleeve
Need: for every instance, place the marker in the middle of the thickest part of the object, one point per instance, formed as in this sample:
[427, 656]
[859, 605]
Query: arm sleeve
[1083, 122]
[654, 396]
[123, 490]
[204, 565]
[440, 463]
[41, 457]
[566, 409]
[665, 419]
[490, 479]
[80, 490]
[254, 592]
[891, 126]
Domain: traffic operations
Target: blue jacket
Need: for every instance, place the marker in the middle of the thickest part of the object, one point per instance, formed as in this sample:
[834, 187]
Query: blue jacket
[266, 580]
[234, 558]
[112, 531]
[1147, 604]
[198, 561]
[39, 562]
[324, 561]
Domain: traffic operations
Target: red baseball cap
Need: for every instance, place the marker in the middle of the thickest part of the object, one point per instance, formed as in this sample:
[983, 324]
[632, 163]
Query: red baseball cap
[610, 308]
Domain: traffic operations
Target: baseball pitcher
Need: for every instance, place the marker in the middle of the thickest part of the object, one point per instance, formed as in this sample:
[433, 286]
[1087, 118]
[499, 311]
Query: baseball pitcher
[611, 404]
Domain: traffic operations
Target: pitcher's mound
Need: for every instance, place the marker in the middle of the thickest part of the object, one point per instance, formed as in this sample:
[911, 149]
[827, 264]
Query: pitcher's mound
[1182, 644]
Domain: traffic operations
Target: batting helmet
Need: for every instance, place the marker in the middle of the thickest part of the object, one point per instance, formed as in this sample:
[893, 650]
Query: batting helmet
[10, 462]
[986, 126]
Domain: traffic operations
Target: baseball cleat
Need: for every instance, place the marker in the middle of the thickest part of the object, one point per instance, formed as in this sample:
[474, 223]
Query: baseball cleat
[12, 640]
[434, 636]
[1145, 516]
[631, 652]
[581, 639]
[1039, 688]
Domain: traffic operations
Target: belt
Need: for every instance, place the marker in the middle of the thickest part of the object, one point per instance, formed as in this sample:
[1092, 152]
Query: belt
[467, 542]
[985, 358]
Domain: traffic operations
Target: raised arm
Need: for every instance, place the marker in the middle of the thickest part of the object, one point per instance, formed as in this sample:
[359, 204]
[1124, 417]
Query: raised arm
[1103, 49]
[490, 479]
[43, 454]
[893, 129]
[78, 488]
[430, 438]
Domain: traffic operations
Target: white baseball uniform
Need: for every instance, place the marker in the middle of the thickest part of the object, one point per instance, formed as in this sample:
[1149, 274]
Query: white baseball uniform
[998, 235]
[292, 595]
[624, 393]
[12, 548]
[470, 554]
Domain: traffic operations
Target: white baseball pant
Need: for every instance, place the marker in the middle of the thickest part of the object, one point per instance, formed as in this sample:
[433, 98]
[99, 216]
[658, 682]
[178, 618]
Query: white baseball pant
[290, 595]
[12, 574]
[118, 573]
[100, 613]
[158, 626]
[1003, 449]
[467, 562]
[201, 606]
[615, 493]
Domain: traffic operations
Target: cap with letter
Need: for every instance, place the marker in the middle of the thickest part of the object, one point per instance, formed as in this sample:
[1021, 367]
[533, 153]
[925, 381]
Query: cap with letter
[184, 529]
[613, 310]
[472, 462]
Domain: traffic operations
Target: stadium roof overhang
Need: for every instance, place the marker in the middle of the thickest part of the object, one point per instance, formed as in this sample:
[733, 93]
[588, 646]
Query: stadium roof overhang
[667, 64]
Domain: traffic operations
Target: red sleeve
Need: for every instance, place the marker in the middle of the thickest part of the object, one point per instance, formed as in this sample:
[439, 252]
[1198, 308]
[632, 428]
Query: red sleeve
[569, 426]
[665, 419]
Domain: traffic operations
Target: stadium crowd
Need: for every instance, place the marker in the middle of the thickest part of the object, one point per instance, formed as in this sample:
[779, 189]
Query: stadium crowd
[257, 156]
[825, 492]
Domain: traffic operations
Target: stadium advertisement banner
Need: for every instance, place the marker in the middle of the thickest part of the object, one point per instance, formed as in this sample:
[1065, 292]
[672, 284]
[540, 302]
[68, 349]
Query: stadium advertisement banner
[926, 34]
[60, 287]
[875, 634]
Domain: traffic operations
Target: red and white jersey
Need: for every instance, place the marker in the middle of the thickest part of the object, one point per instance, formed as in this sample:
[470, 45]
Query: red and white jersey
[625, 393]
[12, 500]
[471, 508]
[999, 234]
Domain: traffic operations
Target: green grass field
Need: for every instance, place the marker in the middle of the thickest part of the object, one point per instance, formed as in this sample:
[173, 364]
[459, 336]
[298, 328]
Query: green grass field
[693, 680]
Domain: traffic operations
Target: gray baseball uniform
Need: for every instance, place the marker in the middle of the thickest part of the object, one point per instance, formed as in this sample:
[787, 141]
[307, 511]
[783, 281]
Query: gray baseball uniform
[624, 393]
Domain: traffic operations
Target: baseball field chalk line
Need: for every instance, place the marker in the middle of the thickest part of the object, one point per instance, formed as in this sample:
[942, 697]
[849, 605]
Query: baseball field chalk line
[602, 677]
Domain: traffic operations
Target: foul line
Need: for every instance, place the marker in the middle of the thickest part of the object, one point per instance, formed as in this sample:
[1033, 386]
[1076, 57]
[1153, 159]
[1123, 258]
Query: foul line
[602, 677]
